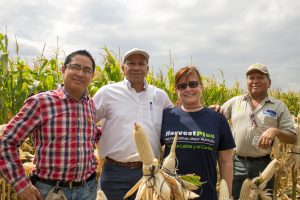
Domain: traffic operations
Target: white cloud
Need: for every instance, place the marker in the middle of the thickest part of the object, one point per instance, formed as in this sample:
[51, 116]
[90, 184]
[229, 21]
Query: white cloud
[220, 34]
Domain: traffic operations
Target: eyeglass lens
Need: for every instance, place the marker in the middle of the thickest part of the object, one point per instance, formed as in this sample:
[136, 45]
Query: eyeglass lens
[191, 84]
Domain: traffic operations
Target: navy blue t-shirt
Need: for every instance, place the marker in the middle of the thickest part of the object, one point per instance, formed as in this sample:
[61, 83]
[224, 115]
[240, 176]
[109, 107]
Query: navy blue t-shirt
[201, 135]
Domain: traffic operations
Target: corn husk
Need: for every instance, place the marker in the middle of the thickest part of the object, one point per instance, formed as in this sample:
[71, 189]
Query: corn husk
[156, 183]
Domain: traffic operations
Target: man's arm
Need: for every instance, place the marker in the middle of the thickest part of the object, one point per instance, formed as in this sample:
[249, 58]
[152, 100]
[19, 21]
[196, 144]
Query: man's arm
[13, 135]
[99, 101]
[285, 131]
[225, 161]
[267, 137]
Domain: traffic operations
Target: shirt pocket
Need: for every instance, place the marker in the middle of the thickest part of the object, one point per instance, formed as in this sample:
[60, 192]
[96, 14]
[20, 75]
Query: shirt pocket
[156, 115]
[270, 121]
[152, 113]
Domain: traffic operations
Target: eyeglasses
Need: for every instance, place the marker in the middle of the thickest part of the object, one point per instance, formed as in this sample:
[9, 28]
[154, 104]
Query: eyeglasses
[191, 84]
[253, 121]
[77, 68]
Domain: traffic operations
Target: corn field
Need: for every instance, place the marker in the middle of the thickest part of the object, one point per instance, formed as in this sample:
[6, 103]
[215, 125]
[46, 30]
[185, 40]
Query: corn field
[19, 79]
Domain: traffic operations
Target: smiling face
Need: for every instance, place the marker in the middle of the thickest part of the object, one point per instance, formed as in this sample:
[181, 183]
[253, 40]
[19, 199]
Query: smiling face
[76, 81]
[258, 84]
[189, 88]
[135, 68]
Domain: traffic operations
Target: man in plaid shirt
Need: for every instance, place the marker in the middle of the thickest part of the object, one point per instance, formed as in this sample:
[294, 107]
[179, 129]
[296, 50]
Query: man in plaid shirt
[62, 124]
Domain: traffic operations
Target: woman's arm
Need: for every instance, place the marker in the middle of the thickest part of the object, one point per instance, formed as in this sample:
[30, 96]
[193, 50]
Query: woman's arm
[225, 161]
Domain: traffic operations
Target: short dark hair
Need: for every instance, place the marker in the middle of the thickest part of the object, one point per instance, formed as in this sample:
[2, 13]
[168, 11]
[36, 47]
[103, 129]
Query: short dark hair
[82, 53]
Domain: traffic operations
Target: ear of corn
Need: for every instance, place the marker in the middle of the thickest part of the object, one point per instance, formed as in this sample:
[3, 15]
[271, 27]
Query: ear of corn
[169, 162]
[268, 173]
[143, 145]
[156, 183]
[246, 189]
[224, 192]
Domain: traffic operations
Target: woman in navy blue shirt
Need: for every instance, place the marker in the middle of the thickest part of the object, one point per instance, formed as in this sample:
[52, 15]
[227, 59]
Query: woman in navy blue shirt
[204, 136]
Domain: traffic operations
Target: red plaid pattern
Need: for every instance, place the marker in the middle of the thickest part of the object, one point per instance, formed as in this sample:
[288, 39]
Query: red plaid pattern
[64, 134]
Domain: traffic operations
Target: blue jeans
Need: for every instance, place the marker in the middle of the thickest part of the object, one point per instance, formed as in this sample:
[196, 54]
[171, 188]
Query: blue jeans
[86, 192]
[243, 169]
[116, 181]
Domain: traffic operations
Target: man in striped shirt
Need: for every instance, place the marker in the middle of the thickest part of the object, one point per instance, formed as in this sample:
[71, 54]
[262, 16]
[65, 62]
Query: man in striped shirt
[62, 125]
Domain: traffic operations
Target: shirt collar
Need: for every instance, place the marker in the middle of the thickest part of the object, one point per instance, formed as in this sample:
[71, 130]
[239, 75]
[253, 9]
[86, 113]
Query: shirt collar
[128, 83]
[266, 99]
[63, 94]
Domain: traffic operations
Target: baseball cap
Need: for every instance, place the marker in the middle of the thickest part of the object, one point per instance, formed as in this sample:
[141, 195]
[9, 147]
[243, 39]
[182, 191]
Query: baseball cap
[258, 67]
[136, 51]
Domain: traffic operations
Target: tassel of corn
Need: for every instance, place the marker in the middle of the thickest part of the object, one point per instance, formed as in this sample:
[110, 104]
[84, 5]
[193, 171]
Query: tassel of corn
[224, 192]
[170, 161]
[246, 189]
[143, 145]
[268, 173]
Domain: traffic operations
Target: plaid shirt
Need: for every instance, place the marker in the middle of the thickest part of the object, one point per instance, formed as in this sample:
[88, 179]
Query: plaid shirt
[64, 133]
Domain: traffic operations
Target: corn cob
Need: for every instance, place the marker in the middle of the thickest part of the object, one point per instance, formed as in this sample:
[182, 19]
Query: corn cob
[246, 189]
[170, 161]
[224, 192]
[268, 173]
[143, 145]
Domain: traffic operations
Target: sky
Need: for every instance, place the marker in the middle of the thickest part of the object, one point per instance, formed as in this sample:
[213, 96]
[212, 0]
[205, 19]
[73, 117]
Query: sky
[220, 37]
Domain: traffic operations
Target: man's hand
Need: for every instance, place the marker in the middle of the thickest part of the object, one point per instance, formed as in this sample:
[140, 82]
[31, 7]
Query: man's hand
[31, 193]
[216, 108]
[267, 138]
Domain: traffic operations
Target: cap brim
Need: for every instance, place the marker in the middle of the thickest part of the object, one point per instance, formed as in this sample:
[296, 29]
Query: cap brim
[138, 52]
[252, 70]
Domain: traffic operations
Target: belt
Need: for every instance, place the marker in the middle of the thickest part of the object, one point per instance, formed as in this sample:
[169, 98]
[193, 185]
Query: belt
[67, 184]
[254, 158]
[130, 165]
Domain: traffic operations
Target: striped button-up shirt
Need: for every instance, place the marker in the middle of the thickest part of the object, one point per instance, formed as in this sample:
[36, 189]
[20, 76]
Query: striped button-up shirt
[64, 133]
